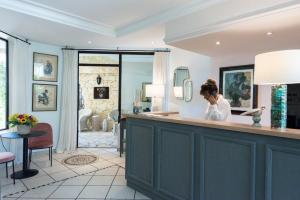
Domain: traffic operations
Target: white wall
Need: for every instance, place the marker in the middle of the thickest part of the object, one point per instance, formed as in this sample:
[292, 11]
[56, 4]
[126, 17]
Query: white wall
[264, 92]
[200, 70]
[51, 117]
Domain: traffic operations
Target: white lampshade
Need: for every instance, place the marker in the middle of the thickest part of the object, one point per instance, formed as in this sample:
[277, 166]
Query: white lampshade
[178, 91]
[149, 91]
[155, 90]
[278, 67]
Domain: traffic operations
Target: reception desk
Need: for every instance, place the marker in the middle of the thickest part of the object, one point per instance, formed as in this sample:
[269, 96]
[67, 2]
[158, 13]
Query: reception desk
[174, 158]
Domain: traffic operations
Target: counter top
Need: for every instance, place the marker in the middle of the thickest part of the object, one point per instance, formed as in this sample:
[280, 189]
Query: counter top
[175, 118]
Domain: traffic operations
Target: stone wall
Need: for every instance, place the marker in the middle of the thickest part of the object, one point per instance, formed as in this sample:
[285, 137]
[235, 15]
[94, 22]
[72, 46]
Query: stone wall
[110, 78]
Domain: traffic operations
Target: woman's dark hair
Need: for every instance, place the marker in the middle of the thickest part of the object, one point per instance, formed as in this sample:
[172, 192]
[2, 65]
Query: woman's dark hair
[210, 86]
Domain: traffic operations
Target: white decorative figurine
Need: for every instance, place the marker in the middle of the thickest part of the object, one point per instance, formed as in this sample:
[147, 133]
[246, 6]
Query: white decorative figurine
[256, 115]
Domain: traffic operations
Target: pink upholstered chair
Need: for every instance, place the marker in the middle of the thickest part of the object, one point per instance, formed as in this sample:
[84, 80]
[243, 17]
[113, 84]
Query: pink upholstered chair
[41, 142]
[6, 157]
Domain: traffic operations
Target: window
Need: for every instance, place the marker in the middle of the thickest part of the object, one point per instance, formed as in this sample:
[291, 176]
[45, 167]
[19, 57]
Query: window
[3, 83]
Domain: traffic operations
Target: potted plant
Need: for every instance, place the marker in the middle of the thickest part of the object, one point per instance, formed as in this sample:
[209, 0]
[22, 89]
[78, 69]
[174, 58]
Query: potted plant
[23, 122]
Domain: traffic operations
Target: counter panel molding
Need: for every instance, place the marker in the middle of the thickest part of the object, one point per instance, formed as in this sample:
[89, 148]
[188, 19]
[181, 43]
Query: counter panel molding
[283, 173]
[140, 148]
[175, 154]
[179, 161]
[227, 168]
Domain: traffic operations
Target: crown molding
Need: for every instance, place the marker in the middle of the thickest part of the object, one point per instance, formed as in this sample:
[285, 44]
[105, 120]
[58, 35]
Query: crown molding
[51, 14]
[166, 16]
[222, 25]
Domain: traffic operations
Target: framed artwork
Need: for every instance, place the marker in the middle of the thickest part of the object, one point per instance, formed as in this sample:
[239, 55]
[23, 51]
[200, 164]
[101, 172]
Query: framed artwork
[101, 92]
[44, 67]
[44, 97]
[236, 85]
[144, 98]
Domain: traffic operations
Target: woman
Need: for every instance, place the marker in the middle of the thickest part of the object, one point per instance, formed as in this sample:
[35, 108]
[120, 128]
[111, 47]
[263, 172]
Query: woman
[218, 107]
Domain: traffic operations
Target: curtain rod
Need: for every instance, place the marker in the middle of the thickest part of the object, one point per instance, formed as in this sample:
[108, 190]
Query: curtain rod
[112, 50]
[26, 41]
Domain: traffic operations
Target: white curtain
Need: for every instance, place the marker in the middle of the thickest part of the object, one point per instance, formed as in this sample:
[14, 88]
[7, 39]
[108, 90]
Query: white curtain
[68, 115]
[160, 66]
[18, 87]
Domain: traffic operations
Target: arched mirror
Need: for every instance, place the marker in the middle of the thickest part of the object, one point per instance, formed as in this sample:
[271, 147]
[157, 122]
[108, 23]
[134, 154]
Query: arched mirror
[180, 75]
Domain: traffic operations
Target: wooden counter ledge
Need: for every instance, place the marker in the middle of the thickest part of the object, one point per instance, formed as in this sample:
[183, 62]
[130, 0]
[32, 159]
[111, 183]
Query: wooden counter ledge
[172, 117]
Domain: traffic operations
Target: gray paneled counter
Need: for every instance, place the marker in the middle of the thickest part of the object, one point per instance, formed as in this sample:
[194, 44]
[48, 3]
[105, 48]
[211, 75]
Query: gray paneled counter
[172, 158]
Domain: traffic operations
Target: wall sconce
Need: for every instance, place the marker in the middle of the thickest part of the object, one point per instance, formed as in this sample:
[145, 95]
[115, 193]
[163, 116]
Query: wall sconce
[99, 79]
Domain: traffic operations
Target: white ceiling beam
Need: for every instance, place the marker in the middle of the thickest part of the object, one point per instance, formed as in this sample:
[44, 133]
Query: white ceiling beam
[179, 11]
[223, 24]
[48, 13]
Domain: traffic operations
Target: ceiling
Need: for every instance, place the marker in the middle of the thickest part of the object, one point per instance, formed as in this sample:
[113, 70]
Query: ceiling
[249, 36]
[94, 23]
[141, 24]
[115, 13]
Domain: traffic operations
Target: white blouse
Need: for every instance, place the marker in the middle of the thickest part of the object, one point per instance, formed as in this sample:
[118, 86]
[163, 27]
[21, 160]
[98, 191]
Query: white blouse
[220, 111]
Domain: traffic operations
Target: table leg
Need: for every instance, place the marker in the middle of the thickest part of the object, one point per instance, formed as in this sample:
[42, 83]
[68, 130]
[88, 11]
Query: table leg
[25, 173]
[25, 154]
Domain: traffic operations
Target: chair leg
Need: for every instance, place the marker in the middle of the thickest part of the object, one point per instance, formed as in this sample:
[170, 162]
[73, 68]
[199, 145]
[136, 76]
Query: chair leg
[13, 165]
[6, 170]
[51, 155]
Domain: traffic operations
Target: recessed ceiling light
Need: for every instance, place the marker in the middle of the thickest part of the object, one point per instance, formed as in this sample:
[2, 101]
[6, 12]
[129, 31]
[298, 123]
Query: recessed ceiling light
[269, 33]
[90, 42]
[218, 43]
[152, 42]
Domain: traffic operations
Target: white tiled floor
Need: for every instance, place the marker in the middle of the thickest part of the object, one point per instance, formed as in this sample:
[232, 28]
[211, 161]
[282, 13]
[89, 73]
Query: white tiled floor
[103, 179]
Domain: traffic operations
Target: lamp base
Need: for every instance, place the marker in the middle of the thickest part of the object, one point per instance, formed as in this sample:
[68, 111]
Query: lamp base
[279, 106]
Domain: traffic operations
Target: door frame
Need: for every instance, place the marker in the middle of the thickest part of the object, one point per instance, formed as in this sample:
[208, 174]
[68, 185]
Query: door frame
[120, 53]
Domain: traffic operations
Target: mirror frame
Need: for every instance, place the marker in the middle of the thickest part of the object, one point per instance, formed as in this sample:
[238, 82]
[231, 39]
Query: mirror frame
[174, 78]
[185, 88]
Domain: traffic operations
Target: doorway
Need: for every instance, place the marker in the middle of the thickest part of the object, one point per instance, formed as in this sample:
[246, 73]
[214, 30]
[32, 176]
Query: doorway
[108, 85]
[98, 103]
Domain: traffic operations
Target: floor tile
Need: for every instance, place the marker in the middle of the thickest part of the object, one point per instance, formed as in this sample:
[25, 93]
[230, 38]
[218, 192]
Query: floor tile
[79, 180]
[121, 172]
[85, 169]
[39, 193]
[67, 192]
[63, 175]
[7, 181]
[117, 160]
[37, 181]
[108, 156]
[13, 188]
[120, 192]
[139, 195]
[103, 164]
[122, 165]
[111, 171]
[55, 168]
[94, 192]
[119, 180]
[101, 180]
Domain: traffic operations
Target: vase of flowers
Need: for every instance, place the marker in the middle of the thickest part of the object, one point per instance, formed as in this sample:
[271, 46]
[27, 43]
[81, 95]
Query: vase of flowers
[23, 122]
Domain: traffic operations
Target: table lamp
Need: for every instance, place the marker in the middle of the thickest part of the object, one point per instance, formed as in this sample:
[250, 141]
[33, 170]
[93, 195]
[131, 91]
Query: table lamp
[278, 68]
[156, 91]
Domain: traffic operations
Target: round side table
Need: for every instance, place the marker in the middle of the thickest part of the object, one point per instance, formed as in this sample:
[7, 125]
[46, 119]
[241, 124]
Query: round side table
[25, 172]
